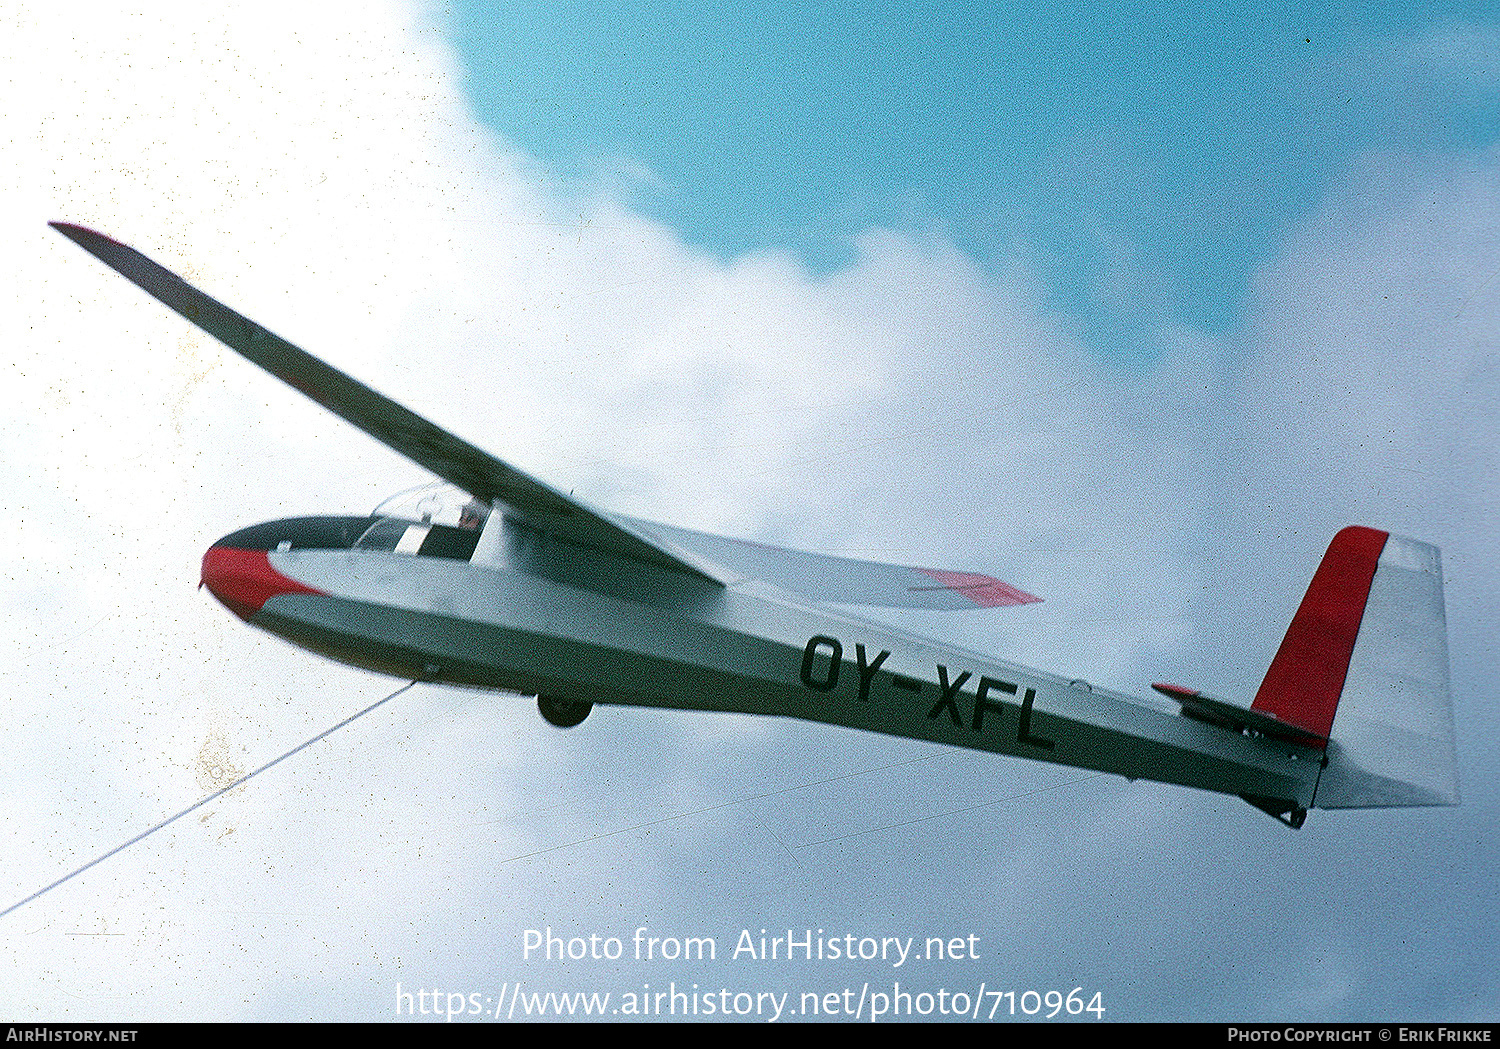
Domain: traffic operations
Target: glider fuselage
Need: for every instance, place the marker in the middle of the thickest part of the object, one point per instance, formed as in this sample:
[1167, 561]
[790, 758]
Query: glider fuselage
[514, 609]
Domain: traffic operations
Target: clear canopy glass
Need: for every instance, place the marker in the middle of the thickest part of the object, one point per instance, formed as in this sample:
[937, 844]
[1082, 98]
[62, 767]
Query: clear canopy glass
[405, 520]
[438, 503]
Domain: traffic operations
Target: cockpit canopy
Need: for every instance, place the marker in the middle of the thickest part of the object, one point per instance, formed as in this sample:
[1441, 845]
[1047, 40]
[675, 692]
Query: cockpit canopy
[436, 519]
[436, 503]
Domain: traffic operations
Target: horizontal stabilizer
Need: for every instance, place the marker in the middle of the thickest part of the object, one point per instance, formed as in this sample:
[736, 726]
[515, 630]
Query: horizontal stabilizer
[1239, 719]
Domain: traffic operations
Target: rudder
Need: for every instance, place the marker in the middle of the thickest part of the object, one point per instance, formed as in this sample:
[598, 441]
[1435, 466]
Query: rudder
[1364, 664]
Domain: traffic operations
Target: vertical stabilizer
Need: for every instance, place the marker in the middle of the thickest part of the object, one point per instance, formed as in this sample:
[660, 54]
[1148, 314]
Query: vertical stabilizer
[1365, 665]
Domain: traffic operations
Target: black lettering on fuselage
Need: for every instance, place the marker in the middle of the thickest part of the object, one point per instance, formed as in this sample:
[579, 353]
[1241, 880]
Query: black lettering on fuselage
[867, 670]
[1023, 731]
[949, 691]
[983, 703]
[824, 677]
[809, 658]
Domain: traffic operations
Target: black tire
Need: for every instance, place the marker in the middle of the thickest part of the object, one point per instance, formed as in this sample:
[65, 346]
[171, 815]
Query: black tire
[564, 713]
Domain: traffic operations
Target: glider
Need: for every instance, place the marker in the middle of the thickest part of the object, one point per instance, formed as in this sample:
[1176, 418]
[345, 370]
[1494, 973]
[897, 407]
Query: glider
[511, 584]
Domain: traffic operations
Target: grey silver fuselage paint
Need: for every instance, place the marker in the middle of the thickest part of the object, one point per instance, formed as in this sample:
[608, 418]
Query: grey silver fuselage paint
[539, 615]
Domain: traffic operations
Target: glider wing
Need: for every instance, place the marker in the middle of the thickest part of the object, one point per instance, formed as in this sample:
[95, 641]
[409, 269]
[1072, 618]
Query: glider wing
[536, 504]
[841, 580]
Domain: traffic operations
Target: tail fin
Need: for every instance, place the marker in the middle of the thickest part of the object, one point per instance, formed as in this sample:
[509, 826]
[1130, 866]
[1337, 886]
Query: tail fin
[1365, 666]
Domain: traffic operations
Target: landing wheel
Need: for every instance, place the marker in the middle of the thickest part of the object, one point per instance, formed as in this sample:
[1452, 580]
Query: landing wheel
[564, 713]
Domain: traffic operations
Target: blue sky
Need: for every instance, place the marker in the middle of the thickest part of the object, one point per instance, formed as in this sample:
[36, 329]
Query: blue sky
[1145, 159]
[1131, 310]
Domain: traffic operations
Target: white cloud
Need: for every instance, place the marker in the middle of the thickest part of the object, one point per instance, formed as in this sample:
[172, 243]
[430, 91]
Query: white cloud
[1370, 392]
[320, 173]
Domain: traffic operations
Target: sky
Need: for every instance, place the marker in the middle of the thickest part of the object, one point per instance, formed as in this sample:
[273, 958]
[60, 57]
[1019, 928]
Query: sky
[1132, 308]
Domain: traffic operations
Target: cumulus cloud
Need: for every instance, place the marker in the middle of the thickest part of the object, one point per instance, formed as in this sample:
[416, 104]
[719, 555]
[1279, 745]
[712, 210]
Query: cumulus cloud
[324, 177]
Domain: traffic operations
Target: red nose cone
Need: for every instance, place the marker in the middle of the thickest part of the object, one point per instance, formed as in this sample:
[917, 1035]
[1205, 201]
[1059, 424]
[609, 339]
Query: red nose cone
[244, 579]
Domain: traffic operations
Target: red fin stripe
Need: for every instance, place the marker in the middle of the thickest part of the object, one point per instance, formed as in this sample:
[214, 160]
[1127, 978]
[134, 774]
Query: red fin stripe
[1306, 678]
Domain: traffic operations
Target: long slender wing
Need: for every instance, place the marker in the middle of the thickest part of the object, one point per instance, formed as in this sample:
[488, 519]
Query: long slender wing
[446, 455]
[720, 560]
[842, 580]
